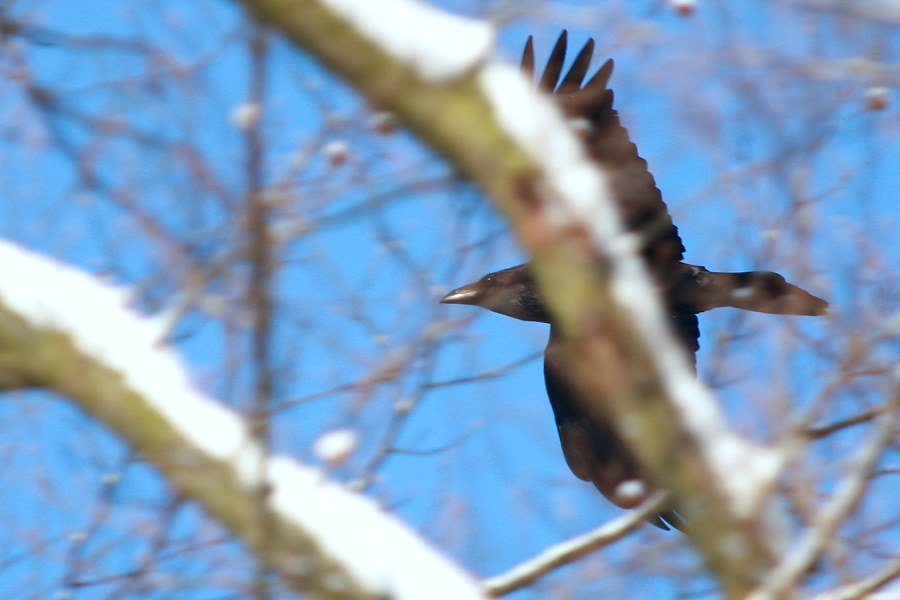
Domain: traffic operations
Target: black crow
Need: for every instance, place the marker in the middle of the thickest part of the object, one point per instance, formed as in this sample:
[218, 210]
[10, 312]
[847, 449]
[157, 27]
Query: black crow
[593, 449]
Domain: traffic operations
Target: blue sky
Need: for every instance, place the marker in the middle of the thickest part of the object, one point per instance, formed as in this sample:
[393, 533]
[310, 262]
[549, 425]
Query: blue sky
[751, 116]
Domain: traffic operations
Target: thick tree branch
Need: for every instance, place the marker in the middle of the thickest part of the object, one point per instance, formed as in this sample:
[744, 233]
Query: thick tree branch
[490, 124]
[87, 346]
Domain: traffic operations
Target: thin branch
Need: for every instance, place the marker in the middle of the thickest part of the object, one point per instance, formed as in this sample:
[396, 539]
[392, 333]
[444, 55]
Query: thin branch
[571, 550]
[860, 589]
[799, 559]
[487, 375]
[821, 431]
[260, 252]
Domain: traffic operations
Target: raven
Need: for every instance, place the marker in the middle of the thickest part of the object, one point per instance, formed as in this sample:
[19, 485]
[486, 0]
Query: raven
[592, 447]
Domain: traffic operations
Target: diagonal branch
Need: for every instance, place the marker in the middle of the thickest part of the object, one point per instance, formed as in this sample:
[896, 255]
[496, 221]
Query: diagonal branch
[431, 70]
[571, 550]
[89, 347]
[861, 589]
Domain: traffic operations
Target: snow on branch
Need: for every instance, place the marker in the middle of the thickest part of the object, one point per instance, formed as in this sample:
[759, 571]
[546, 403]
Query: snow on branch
[530, 135]
[583, 199]
[496, 129]
[439, 45]
[64, 330]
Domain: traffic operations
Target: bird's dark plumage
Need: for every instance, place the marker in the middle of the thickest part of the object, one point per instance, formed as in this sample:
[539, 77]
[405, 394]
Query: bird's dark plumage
[592, 447]
[589, 106]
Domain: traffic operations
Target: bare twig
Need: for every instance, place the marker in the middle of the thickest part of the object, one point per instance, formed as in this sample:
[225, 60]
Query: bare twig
[821, 431]
[571, 550]
[260, 255]
[861, 588]
[802, 556]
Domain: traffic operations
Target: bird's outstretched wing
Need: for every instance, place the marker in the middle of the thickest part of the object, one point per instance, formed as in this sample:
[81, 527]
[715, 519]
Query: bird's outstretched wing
[589, 106]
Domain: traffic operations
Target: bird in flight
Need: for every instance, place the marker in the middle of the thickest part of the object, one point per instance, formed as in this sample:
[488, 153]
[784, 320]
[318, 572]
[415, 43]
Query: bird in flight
[592, 448]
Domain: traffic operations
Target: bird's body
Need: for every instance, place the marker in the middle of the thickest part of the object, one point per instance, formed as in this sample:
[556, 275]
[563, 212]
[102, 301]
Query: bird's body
[592, 447]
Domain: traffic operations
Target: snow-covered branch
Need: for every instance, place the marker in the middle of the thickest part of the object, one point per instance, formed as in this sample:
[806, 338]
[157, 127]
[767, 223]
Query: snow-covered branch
[485, 119]
[87, 345]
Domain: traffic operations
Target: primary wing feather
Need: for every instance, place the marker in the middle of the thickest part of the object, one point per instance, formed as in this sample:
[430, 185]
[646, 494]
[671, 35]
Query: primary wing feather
[634, 189]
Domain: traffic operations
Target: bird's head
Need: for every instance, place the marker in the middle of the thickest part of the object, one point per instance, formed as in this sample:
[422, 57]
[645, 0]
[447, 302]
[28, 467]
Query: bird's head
[511, 292]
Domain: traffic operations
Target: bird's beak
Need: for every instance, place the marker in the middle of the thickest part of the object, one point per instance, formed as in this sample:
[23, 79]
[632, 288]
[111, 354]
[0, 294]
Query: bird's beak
[467, 294]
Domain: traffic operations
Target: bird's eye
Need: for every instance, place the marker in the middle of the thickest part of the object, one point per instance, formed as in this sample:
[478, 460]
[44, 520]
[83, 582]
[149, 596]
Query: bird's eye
[488, 278]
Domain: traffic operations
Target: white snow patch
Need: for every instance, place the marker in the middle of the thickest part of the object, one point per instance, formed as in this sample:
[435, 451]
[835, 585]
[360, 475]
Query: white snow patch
[404, 405]
[77, 536]
[335, 147]
[438, 44]
[534, 121]
[383, 122]
[385, 555]
[684, 7]
[626, 243]
[892, 593]
[336, 151]
[334, 447]
[630, 491]
[97, 319]
[580, 125]
[877, 97]
[877, 91]
[111, 478]
[245, 116]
